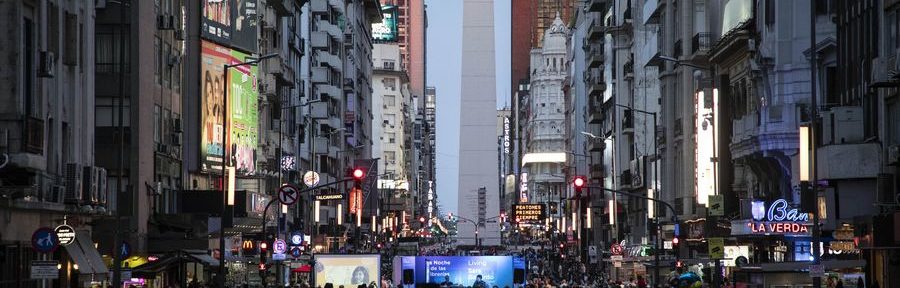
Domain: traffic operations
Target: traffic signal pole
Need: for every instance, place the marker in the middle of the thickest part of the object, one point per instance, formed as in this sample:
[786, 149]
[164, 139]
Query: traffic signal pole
[674, 220]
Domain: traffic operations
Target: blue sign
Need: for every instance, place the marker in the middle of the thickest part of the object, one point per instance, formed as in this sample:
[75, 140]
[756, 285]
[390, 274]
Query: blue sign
[44, 240]
[295, 252]
[125, 249]
[462, 270]
[297, 239]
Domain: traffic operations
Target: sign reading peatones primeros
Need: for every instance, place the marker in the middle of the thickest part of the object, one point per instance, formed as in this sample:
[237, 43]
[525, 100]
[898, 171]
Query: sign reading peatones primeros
[779, 218]
[529, 213]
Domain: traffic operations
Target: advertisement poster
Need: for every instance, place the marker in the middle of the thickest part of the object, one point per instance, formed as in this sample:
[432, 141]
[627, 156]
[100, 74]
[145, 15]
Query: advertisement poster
[242, 110]
[461, 270]
[348, 270]
[212, 58]
[386, 31]
[231, 23]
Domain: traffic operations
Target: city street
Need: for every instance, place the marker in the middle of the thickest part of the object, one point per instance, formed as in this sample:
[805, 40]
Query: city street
[450, 143]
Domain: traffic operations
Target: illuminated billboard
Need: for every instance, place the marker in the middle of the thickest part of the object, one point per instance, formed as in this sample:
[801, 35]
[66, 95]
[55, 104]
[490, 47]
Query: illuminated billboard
[230, 22]
[458, 270]
[706, 129]
[386, 31]
[242, 109]
[348, 270]
[529, 213]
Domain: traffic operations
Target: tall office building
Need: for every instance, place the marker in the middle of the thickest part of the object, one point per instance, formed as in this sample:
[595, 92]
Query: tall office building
[477, 143]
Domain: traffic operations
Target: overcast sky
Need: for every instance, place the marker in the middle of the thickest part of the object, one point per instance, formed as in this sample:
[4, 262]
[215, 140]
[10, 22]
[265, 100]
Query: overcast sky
[444, 57]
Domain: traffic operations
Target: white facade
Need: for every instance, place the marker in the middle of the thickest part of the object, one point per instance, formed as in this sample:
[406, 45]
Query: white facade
[390, 105]
[477, 141]
[545, 125]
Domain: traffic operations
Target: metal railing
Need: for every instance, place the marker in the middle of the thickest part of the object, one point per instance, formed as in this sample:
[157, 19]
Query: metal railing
[700, 42]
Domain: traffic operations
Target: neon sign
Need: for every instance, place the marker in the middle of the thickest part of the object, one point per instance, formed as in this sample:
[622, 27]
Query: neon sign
[779, 218]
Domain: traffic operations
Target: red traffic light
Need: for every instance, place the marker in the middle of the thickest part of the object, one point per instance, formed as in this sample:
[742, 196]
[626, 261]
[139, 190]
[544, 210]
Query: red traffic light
[262, 266]
[422, 219]
[263, 246]
[675, 241]
[579, 181]
[358, 173]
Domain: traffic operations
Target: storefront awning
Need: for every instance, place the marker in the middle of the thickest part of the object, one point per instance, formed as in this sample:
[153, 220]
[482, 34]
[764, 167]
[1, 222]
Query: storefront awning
[150, 269]
[87, 257]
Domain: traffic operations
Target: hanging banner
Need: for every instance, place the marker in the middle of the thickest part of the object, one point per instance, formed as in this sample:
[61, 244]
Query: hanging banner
[355, 200]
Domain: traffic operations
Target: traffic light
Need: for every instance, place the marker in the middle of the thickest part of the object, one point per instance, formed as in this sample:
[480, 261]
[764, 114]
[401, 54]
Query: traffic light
[579, 182]
[263, 247]
[450, 216]
[553, 208]
[679, 264]
[358, 174]
[422, 219]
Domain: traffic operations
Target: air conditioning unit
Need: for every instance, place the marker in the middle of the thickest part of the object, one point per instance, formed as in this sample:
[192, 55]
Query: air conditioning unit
[842, 125]
[47, 64]
[73, 183]
[893, 155]
[91, 180]
[637, 172]
[102, 188]
[165, 22]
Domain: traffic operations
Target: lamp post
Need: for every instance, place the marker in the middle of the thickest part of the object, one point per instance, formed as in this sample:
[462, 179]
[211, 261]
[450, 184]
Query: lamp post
[227, 178]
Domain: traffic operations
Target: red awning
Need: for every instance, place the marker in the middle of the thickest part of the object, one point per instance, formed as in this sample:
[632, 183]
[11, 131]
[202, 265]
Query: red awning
[302, 269]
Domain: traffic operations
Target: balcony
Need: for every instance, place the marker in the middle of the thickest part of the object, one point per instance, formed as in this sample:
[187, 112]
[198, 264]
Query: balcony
[849, 161]
[281, 7]
[652, 9]
[594, 56]
[596, 145]
[328, 90]
[331, 29]
[318, 7]
[330, 60]
[595, 86]
[700, 43]
[320, 75]
[596, 5]
[595, 31]
[628, 122]
[595, 116]
[319, 40]
[274, 65]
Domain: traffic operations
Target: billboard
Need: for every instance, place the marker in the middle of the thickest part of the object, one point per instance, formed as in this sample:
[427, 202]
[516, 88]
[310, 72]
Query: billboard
[386, 31]
[230, 22]
[242, 110]
[459, 270]
[348, 270]
[706, 126]
[529, 213]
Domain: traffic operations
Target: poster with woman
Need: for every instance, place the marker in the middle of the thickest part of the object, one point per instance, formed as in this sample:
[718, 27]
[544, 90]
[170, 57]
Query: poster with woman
[242, 110]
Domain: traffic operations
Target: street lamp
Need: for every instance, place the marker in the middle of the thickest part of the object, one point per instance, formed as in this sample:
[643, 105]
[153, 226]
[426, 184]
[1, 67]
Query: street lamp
[227, 177]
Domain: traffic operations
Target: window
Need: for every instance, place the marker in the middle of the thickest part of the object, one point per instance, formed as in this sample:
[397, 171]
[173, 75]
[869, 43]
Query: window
[32, 100]
[390, 100]
[167, 71]
[391, 137]
[176, 74]
[156, 119]
[390, 119]
[390, 83]
[156, 52]
[390, 157]
[770, 12]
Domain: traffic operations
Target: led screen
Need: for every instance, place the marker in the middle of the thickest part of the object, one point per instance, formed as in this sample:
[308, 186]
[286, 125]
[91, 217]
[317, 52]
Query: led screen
[348, 270]
[459, 270]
